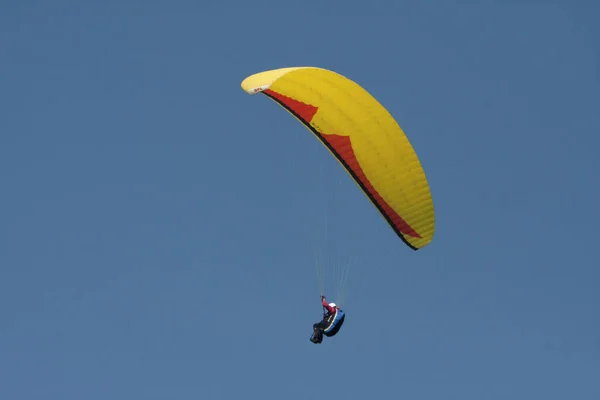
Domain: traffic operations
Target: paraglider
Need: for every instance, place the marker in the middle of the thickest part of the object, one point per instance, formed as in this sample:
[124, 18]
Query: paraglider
[369, 144]
[330, 325]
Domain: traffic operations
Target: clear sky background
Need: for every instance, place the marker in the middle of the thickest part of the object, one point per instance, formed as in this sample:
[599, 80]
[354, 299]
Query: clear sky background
[157, 221]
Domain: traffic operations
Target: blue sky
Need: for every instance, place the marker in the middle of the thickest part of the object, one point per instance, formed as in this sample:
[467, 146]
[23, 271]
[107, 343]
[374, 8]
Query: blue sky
[157, 222]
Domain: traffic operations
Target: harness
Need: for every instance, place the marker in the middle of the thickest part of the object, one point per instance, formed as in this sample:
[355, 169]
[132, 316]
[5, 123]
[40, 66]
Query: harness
[332, 319]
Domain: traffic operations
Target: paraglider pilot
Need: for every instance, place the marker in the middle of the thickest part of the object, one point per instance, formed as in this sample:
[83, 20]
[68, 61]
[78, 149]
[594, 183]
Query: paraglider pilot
[333, 319]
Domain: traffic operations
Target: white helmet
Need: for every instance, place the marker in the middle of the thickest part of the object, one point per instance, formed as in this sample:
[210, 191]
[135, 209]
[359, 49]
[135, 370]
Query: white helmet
[332, 305]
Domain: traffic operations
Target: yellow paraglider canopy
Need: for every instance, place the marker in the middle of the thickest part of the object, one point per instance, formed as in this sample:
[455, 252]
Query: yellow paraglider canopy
[365, 139]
